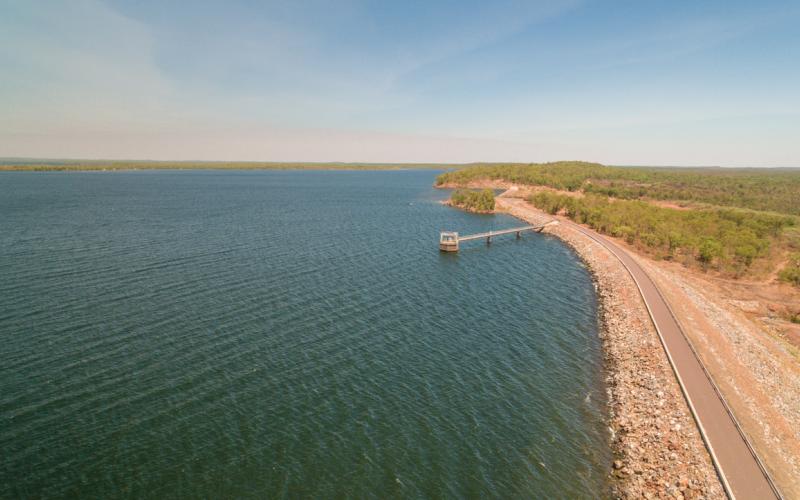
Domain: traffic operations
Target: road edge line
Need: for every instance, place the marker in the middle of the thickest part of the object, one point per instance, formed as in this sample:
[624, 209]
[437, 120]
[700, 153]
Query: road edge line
[709, 447]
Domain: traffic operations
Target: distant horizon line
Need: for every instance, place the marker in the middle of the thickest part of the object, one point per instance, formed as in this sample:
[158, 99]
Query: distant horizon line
[31, 160]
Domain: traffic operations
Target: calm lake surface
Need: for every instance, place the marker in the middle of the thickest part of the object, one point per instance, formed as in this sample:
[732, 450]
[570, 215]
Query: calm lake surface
[274, 334]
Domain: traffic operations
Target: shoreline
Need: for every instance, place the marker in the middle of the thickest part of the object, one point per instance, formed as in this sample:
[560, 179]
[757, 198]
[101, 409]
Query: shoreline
[450, 204]
[135, 165]
[656, 445]
[738, 329]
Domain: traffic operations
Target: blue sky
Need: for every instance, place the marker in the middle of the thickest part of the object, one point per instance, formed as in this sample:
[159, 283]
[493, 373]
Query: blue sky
[640, 82]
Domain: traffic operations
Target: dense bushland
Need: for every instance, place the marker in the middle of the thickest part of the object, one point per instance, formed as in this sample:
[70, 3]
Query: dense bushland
[738, 221]
[476, 201]
[729, 240]
[776, 190]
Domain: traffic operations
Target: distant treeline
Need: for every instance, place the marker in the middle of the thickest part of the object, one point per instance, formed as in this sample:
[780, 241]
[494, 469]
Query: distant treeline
[776, 190]
[476, 201]
[79, 165]
[737, 221]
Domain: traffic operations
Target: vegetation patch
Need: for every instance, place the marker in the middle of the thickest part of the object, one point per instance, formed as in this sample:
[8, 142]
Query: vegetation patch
[475, 201]
[729, 240]
[736, 221]
[791, 274]
[775, 190]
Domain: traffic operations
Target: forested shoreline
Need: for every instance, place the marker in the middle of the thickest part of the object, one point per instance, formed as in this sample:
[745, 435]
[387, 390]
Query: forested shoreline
[738, 222]
[776, 190]
[474, 201]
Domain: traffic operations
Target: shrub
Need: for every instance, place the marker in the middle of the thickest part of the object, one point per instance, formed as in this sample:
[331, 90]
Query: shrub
[791, 273]
[709, 250]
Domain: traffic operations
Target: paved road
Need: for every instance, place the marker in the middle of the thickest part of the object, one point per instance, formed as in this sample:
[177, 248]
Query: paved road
[741, 472]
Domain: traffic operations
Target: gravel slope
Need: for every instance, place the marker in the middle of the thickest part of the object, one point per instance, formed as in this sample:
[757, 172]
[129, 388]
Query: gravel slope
[658, 449]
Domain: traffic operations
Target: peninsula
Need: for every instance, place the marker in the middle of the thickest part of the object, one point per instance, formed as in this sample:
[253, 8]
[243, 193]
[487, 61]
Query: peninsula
[719, 248]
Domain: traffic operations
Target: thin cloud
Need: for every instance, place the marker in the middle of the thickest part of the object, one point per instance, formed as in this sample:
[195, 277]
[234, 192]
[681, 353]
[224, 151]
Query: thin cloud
[332, 80]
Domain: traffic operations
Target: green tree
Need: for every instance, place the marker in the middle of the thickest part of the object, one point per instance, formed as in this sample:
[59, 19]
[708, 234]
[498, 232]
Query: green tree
[709, 250]
[477, 201]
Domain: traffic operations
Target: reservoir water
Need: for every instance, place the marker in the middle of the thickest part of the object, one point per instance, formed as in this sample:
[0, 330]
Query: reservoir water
[287, 334]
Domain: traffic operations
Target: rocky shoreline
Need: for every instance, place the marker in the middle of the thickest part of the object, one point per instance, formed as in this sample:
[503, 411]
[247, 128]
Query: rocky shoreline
[658, 450]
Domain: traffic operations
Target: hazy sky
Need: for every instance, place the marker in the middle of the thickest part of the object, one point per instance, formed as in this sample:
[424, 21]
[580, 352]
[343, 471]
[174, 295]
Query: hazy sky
[639, 82]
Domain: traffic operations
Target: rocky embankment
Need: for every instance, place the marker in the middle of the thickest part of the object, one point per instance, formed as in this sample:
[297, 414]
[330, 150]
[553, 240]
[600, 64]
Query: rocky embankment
[658, 450]
[738, 335]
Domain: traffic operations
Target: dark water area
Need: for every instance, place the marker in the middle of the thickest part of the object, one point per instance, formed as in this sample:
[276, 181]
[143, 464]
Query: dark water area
[273, 334]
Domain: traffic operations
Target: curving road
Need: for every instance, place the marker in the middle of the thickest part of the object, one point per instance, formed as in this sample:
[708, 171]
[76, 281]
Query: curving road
[742, 474]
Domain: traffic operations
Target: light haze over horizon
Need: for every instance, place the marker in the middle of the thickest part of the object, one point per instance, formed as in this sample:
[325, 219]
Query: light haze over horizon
[645, 83]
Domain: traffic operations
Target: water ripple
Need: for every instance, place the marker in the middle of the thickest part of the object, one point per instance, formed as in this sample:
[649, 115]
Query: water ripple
[287, 334]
